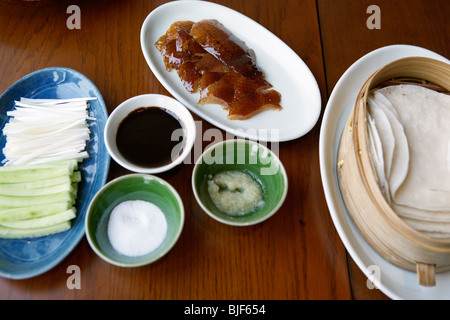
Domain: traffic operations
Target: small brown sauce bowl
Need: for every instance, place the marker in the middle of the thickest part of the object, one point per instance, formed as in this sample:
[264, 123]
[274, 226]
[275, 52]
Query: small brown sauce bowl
[150, 133]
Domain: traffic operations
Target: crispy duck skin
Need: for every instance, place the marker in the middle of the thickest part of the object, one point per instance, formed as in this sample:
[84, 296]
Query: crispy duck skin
[226, 47]
[243, 107]
[212, 61]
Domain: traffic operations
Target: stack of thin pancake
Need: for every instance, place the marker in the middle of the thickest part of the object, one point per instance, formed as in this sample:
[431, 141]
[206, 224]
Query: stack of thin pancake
[410, 135]
[210, 60]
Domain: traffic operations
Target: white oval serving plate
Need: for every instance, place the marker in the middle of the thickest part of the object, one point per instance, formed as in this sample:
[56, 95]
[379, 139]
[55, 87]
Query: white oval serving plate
[284, 69]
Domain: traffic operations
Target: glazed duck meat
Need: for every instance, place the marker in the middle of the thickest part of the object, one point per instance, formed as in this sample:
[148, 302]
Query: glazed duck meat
[226, 48]
[212, 61]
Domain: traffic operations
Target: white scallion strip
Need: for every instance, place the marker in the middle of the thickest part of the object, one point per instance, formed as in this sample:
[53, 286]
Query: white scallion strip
[46, 130]
[56, 101]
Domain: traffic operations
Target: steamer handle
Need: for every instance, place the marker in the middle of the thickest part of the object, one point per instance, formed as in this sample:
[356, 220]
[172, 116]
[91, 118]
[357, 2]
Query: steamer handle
[426, 274]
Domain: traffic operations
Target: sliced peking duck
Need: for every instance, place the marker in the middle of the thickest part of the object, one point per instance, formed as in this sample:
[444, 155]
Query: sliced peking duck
[212, 61]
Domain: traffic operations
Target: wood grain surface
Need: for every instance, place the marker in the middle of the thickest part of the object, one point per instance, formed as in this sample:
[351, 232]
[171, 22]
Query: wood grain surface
[295, 255]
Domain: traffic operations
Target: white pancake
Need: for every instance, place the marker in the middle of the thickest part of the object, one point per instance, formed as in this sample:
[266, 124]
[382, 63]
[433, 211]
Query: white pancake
[413, 124]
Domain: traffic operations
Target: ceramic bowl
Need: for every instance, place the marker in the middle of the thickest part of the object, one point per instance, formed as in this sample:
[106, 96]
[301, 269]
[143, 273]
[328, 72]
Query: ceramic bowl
[149, 100]
[133, 187]
[249, 157]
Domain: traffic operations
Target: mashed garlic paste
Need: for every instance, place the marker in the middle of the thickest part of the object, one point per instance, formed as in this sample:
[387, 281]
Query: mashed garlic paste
[235, 193]
[136, 227]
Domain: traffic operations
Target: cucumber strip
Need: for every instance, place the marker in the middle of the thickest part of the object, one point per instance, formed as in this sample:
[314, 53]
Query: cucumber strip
[12, 214]
[74, 191]
[5, 190]
[9, 233]
[41, 183]
[42, 222]
[17, 202]
[44, 183]
[76, 176]
[72, 164]
[34, 174]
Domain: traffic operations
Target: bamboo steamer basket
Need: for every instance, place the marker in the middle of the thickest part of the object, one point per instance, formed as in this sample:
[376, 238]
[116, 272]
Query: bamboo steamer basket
[380, 226]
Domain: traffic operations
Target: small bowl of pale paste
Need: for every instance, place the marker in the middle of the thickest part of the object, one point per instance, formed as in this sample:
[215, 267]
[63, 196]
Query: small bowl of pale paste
[134, 220]
[239, 182]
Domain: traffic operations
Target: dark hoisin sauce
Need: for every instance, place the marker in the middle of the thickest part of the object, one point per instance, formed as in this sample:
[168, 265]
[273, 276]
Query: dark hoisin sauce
[150, 137]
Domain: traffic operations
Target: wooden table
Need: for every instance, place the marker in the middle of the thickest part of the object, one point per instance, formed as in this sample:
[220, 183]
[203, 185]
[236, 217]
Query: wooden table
[295, 255]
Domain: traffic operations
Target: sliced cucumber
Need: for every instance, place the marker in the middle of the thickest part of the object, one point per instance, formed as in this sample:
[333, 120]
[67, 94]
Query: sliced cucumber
[34, 174]
[10, 233]
[24, 213]
[42, 183]
[30, 173]
[37, 200]
[76, 176]
[42, 222]
[26, 192]
[17, 202]
[71, 164]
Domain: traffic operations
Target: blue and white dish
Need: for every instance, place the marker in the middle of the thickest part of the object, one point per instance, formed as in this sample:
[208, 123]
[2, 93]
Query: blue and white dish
[26, 258]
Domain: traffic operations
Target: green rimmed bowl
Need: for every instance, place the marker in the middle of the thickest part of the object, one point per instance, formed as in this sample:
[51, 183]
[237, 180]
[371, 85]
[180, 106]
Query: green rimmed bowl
[133, 187]
[245, 156]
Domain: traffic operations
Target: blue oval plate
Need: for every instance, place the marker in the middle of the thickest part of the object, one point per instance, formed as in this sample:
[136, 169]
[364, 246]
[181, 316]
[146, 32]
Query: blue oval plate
[26, 258]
